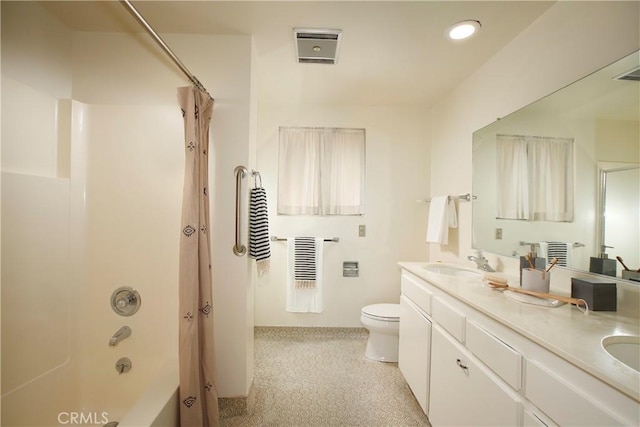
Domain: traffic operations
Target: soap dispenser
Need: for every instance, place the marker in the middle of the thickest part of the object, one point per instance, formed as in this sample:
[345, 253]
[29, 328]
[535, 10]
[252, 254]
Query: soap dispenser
[602, 264]
[537, 262]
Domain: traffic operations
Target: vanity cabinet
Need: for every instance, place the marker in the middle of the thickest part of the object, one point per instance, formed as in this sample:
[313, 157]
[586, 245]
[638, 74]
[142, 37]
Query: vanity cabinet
[478, 371]
[465, 392]
[415, 339]
[414, 350]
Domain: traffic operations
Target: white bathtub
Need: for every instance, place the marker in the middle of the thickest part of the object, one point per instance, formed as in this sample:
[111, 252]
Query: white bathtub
[159, 404]
[52, 400]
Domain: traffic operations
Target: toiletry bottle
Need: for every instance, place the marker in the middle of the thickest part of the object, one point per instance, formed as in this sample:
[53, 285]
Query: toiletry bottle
[603, 264]
[538, 262]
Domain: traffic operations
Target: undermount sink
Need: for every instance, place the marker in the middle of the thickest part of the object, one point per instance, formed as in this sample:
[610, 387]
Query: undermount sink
[451, 270]
[625, 348]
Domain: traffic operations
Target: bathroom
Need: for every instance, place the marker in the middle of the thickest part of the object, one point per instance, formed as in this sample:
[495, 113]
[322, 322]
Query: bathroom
[112, 151]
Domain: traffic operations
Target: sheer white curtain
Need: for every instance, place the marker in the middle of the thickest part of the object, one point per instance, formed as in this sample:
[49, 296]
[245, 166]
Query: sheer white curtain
[535, 178]
[513, 177]
[321, 171]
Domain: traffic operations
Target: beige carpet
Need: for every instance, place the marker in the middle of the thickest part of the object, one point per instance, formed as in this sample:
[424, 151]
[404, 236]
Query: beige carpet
[320, 377]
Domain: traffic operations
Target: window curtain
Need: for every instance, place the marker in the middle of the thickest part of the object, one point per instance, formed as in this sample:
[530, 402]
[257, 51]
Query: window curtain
[321, 171]
[535, 178]
[198, 395]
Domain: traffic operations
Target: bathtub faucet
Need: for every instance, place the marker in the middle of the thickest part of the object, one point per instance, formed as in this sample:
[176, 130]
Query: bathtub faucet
[121, 334]
[481, 261]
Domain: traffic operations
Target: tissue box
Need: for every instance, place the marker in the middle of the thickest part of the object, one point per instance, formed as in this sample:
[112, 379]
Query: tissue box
[600, 295]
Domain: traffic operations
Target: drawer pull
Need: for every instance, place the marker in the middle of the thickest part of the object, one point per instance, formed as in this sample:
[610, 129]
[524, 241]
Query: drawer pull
[463, 367]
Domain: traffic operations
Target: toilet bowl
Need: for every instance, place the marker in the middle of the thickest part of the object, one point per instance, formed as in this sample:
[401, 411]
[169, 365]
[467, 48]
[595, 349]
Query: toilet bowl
[382, 321]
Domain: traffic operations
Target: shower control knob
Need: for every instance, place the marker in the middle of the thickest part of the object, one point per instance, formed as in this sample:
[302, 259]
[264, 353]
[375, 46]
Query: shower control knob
[123, 365]
[125, 301]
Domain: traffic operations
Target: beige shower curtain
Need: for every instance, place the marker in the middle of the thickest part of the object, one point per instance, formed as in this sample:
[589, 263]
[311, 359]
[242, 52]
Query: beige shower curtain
[198, 395]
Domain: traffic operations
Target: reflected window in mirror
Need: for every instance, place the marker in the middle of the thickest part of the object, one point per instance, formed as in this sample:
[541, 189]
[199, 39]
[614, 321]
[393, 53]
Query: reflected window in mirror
[534, 178]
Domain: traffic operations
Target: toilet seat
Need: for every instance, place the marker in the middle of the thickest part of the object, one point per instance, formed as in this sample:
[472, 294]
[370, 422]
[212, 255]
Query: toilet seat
[383, 312]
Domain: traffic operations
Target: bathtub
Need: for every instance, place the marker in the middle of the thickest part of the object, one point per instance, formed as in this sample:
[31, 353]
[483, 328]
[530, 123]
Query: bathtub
[159, 404]
[52, 400]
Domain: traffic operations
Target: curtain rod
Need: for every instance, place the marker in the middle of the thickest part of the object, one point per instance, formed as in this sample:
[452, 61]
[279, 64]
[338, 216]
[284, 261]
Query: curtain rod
[193, 79]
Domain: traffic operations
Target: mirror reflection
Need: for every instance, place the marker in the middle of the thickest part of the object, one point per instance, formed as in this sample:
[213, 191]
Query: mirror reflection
[562, 176]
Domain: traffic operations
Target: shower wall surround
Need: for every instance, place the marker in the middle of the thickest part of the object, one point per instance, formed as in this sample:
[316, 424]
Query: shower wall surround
[116, 152]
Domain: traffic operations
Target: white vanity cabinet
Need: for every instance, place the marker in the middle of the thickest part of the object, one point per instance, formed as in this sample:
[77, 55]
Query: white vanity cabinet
[478, 371]
[464, 391]
[415, 339]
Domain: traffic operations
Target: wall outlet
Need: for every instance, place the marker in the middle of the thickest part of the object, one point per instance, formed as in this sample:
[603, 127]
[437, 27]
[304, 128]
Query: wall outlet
[498, 233]
[362, 230]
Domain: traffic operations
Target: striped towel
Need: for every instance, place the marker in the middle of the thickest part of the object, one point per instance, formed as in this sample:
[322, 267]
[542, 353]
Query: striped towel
[259, 248]
[305, 262]
[560, 250]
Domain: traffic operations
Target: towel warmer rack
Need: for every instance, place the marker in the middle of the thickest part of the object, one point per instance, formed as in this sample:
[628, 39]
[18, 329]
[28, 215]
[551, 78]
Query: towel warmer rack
[284, 239]
[238, 248]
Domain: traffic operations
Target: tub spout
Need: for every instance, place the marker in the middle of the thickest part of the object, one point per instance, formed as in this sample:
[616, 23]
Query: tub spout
[120, 335]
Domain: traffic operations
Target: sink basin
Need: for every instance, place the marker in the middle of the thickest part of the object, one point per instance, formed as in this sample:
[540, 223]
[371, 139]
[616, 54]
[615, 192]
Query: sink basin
[451, 270]
[625, 348]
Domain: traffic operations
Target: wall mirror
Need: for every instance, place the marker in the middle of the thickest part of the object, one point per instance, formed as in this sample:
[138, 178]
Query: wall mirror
[600, 115]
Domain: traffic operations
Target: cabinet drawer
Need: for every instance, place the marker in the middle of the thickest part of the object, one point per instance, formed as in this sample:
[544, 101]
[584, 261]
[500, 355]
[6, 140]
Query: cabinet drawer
[449, 318]
[501, 358]
[563, 402]
[416, 292]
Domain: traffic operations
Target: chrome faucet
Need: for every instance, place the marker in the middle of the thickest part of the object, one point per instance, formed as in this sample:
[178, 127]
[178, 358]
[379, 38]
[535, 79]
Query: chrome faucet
[481, 261]
[120, 335]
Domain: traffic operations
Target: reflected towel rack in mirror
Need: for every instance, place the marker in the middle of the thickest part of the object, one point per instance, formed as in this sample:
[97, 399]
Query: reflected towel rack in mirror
[466, 197]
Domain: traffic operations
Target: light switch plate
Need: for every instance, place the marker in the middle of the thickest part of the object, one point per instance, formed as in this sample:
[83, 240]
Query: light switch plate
[362, 230]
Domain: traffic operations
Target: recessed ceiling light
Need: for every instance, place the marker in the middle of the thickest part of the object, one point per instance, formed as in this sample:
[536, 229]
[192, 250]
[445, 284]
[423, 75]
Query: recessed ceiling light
[463, 30]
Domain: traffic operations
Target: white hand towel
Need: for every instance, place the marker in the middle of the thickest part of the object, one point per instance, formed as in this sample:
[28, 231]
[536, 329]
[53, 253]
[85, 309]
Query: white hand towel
[442, 216]
[309, 299]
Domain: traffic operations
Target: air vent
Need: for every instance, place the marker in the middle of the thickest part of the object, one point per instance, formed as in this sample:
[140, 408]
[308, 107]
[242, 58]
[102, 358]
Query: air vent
[317, 46]
[633, 75]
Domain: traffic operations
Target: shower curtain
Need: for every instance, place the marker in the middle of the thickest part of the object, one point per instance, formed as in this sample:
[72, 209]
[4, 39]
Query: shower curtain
[198, 395]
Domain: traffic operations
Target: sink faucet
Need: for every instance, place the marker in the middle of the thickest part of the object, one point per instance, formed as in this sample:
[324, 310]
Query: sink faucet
[481, 261]
[120, 335]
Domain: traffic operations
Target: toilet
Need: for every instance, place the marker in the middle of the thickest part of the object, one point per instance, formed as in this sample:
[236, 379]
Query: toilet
[382, 321]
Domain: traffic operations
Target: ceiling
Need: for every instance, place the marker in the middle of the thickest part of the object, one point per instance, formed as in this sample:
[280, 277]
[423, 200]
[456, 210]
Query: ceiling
[392, 52]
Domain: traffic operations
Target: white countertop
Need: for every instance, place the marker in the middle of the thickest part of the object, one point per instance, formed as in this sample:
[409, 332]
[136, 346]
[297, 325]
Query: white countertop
[564, 330]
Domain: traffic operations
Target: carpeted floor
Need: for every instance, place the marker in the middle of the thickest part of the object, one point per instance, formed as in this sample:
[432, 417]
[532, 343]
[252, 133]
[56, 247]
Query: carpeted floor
[320, 377]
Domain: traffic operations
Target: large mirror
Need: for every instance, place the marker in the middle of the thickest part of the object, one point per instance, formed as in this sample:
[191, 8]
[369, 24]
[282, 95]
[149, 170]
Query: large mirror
[563, 175]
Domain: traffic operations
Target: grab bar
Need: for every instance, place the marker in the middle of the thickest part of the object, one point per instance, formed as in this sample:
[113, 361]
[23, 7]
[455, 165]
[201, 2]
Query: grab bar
[238, 248]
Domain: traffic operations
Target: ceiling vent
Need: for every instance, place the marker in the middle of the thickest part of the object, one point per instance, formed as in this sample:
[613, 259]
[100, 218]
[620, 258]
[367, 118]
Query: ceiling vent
[633, 75]
[317, 46]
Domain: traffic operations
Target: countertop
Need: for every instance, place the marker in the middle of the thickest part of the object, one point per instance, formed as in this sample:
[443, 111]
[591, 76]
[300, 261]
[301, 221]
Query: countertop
[564, 330]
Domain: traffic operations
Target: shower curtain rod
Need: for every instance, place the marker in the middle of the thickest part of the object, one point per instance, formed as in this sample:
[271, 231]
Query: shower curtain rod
[193, 79]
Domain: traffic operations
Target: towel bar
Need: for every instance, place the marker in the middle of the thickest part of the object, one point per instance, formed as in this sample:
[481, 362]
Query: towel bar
[466, 197]
[283, 239]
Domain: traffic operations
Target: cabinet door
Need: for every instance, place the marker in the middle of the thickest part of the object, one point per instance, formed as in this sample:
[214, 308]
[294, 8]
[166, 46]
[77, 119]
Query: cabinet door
[413, 351]
[463, 391]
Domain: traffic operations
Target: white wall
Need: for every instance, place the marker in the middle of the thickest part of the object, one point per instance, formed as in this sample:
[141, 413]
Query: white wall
[570, 40]
[396, 176]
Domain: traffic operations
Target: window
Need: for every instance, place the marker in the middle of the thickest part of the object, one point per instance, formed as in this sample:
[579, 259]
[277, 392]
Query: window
[535, 178]
[321, 171]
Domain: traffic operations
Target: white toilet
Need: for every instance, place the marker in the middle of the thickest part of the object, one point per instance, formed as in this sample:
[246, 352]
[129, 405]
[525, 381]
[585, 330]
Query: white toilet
[382, 321]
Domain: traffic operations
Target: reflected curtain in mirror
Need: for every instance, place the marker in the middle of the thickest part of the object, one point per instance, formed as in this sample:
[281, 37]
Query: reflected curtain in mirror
[321, 171]
[534, 178]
